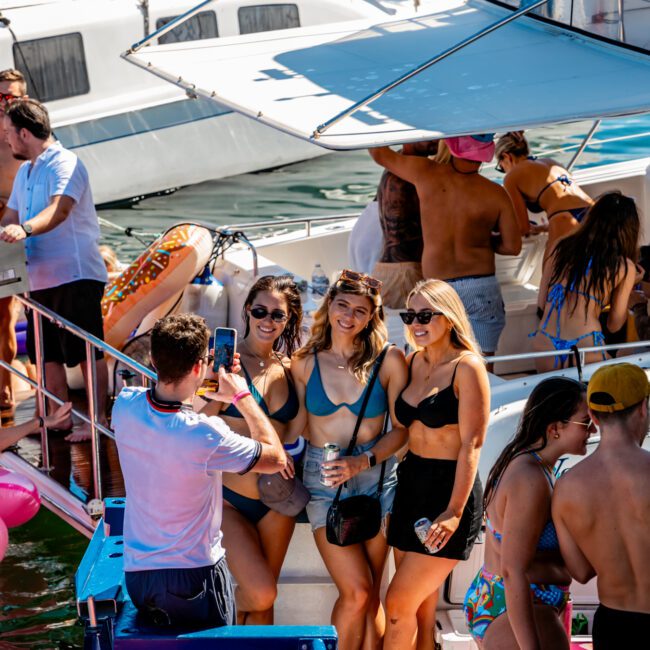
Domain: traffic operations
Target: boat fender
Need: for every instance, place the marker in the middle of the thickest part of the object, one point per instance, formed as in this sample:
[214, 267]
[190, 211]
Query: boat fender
[19, 498]
[206, 297]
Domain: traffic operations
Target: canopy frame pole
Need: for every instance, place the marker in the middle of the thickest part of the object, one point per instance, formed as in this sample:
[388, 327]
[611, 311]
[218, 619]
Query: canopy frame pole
[583, 145]
[168, 27]
[427, 64]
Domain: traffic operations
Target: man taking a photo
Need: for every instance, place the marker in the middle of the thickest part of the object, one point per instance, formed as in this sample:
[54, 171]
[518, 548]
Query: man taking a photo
[172, 459]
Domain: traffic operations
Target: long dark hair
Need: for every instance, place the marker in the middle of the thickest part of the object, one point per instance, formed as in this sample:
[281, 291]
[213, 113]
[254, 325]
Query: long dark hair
[552, 400]
[589, 259]
[289, 340]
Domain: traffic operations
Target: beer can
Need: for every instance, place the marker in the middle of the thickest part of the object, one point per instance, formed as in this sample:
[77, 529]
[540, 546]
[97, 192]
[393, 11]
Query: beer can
[421, 527]
[331, 451]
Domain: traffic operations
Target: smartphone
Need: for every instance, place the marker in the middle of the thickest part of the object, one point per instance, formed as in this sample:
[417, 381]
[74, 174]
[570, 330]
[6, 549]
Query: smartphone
[225, 344]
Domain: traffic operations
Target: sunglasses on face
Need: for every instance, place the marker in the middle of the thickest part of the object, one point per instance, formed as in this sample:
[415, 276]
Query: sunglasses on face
[499, 167]
[587, 424]
[209, 359]
[423, 317]
[354, 276]
[277, 315]
[8, 97]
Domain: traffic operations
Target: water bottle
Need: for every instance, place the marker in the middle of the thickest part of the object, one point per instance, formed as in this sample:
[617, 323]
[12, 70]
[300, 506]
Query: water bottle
[319, 281]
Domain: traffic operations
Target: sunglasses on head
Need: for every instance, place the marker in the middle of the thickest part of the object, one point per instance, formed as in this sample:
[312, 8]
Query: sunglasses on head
[347, 275]
[277, 315]
[423, 317]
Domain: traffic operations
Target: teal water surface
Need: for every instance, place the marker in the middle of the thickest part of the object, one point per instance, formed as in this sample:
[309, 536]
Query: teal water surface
[36, 588]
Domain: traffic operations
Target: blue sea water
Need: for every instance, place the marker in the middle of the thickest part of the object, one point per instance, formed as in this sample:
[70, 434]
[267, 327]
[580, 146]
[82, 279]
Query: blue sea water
[36, 589]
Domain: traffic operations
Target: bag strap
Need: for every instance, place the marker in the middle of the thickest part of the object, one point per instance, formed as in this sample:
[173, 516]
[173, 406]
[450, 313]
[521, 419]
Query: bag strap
[370, 385]
[380, 487]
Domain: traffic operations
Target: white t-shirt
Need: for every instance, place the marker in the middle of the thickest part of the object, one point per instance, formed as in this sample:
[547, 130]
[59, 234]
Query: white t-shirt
[366, 241]
[70, 251]
[172, 459]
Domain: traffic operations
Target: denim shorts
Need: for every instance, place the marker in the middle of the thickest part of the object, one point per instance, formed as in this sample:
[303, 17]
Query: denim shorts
[365, 482]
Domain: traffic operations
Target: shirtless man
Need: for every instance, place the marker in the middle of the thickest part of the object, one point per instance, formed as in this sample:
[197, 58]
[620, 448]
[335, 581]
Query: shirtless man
[400, 265]
[601, 509]
[460, 211]
[12, 85]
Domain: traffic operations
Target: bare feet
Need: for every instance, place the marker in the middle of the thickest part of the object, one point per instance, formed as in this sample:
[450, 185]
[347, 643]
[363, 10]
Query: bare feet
[82, 432]
[79, 435]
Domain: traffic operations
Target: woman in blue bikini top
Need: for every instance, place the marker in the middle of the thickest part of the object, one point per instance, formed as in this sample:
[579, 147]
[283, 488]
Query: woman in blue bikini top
[587, 271]
[522, 552]
[540, 185]
[333, 373]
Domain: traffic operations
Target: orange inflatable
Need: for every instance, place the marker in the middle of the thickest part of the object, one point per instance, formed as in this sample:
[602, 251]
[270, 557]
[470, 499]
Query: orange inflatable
[160, 273]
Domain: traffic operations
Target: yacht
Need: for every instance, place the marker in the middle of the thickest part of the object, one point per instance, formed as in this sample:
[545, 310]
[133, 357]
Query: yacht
[471, 66]
[137, 134]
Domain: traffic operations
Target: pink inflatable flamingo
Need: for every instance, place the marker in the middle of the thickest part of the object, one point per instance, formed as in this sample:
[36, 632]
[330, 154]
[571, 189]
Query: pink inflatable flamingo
[19, 502]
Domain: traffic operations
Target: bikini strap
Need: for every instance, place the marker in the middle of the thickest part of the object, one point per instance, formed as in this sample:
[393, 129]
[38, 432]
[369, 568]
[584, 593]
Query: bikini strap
[415, 354]
[543, 467]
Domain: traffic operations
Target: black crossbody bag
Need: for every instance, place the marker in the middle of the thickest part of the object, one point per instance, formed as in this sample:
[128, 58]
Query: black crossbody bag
[358, 518]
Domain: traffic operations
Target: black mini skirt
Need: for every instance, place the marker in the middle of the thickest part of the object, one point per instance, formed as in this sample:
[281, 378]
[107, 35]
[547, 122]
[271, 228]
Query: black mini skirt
[424, 487]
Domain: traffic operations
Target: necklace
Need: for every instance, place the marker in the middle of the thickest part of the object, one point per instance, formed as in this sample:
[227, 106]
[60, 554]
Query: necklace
[261, 360]
[459, 171]
[338, 365]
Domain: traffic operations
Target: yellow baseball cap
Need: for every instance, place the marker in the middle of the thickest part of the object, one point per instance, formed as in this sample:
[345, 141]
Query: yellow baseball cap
[617, 387]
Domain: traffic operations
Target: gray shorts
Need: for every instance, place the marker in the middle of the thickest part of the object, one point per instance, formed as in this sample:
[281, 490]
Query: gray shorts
[481, 296]
[363, 483]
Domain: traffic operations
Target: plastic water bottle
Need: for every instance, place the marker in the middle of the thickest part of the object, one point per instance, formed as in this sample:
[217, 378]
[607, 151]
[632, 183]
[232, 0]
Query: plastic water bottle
[319, 281]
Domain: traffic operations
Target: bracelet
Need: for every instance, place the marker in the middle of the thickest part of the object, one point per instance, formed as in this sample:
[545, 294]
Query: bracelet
[41, 421]
[240, 395]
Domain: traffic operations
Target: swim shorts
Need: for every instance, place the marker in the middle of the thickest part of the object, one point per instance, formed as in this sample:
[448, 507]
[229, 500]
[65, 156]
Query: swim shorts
[481, 296]
[398, 279]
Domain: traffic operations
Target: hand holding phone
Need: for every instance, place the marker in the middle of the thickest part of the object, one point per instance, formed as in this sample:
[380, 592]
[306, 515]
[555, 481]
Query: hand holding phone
[225, 344]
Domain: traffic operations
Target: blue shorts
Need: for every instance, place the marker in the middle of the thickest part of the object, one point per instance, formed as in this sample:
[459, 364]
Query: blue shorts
[481, 296]
[365, 482]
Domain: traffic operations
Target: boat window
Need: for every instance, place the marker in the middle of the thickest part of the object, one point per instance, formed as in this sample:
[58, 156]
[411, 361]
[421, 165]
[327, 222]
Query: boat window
[55, 66]
[627, 22]
[203, 25]
[264, 18]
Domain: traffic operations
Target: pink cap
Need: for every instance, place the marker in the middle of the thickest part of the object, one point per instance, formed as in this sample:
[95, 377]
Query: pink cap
[479, 148]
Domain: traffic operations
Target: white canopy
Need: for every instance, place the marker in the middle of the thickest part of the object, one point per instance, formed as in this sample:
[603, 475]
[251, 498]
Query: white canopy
[522, 75]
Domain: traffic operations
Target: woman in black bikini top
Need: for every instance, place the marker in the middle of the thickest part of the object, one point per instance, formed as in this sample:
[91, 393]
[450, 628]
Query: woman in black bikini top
[540, 185]
[445, 406]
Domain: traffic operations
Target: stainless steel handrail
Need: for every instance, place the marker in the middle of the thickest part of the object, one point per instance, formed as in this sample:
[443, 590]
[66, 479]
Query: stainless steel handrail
[92, 343]
[555, 353]
[305, 221]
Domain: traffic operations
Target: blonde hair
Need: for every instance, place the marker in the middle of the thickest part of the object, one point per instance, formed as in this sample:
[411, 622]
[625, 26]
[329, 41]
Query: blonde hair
[367, 344]
[443, 298]
[443, 155]
[12, 75]
[110, 258]
[514, 143]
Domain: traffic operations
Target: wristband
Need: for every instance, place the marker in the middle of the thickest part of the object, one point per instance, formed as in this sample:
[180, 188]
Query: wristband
[41, 421]
[372, 459]
[240, 395]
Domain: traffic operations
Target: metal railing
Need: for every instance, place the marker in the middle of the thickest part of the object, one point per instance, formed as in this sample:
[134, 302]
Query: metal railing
[43, 394]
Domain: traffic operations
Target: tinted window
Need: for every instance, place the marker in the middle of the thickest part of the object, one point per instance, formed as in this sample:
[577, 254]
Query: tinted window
[264, 18]
[203, 25]
[55, 67]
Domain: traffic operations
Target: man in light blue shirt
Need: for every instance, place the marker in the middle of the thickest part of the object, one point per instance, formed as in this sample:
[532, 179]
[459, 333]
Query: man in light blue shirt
[51, 209]
[172, 459]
